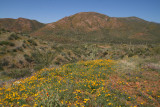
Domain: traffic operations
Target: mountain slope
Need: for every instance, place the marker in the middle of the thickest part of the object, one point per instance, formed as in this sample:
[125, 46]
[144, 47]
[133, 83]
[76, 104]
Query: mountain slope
[20, 25]
[96, 27]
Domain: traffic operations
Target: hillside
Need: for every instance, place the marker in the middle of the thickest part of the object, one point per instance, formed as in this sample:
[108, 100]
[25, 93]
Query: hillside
[87, 59]
[91, 83]
[15, 53]
[20, 25]
[21, 55]
[98, 28]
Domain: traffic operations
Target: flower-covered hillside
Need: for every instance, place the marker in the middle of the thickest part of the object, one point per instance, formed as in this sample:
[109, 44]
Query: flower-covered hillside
[89, 83]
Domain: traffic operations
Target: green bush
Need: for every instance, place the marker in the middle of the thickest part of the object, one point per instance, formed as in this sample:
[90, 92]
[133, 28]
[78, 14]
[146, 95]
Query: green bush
[42, 59]
[20, 49]
[13, 36]
[2, 53]
[156, 50]
[57, 48]
[4, 62]
[32, 42]
[1, 68]
[4, 43]
[17, 73]
[24, 45]
[12, 44]
[3, 30]
[7, 43]
[28, 58]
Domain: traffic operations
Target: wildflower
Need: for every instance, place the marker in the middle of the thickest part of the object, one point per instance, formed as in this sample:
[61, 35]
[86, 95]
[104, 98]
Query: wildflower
[35, 105]
[62, 101]
[24, 105]
[85, 100]
[47, 94]
[109, 103]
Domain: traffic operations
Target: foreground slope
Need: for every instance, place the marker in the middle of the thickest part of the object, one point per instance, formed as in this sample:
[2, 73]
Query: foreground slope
[21, 25]
[96, 27]
[89, 83]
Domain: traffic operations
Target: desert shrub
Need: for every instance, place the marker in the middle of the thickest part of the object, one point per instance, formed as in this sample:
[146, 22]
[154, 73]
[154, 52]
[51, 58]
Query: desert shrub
[73, 60]
[17, 73]
[156, 50]
[24, 41]
[4, 43]
[2, 53]
[23, 34]
[2, 30]
[21, 62]
[12, 44]
[8, 51]
[32, 42]
[24, 45]
[104, 54]
[57, 48]
[42, 59]
[1, 67]
[13, 36]
[58, 61]
[69, 53]
[3, 50]
[19, 48]
[14, 50]
[7, 43]
[28, 58]
[4, 62]
[150, 46]
[130, 54]
[12, 66]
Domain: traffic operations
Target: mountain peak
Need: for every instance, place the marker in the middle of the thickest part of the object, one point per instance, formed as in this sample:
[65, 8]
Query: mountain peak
[89, 13]
[93, 26]
[22, 18]
[88, 21]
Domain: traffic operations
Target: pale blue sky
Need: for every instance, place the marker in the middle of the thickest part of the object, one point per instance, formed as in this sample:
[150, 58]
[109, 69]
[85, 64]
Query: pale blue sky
[47, 11]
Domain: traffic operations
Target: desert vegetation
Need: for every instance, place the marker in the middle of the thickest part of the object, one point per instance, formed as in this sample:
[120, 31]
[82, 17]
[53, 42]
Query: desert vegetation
[111, 62]
[80, 75]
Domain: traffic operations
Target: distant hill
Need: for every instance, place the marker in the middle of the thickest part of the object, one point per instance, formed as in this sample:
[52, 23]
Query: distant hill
[88, 27]
[20, 25]
[96, 27]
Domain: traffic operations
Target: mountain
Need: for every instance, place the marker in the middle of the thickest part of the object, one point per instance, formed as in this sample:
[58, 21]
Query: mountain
[20, 25]
[96, 27]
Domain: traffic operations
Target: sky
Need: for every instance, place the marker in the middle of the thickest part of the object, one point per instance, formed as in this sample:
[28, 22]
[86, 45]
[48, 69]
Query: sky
[47, 11]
